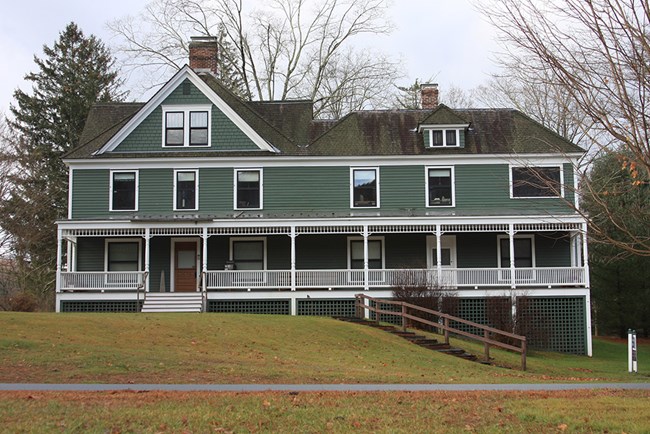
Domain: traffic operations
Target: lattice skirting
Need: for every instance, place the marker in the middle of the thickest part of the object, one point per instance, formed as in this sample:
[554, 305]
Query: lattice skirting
[272, 307]
[326, 307]
[116, 306]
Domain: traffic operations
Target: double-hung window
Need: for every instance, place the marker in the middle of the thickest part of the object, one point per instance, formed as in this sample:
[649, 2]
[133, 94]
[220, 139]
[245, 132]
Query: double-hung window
[248, 189]
[524, 249]
[248, 254]
[365, 187]
[536, 181]
[186, 190]
[444, 137]
[440, 186]
[122, 255]
[375, 254]
[185, 126]
[124, 190]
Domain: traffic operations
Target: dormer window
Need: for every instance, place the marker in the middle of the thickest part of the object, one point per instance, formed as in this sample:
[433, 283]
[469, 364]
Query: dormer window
[185, 126]
[443, 137]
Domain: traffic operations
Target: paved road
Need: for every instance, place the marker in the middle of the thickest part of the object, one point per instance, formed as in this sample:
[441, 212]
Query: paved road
[316, 387]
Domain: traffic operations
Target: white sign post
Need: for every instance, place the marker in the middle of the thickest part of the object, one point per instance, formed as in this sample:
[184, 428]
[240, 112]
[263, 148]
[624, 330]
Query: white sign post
[631, 351]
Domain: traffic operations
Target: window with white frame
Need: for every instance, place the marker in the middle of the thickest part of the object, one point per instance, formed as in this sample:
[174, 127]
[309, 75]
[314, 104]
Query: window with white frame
[444, 137]
[248, 253]
[365, 187]
[124, 190]
[524, 249]
[440, 186]
[186, 125]
[122, 255]
[536, 181]
[186, 190]
[248, 189]
[375, 253]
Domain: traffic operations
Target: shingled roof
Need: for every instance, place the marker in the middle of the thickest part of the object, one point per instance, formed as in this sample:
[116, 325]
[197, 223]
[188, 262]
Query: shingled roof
[289, 127]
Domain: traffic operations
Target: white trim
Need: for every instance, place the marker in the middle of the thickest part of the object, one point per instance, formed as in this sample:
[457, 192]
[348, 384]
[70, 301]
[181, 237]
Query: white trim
[446, 242]
[122, 240]
[371, 238]
[444, 129]
[196, 189]
[233, 240]
[186, 109]
[287, 161]
[506, 237]
[377, 175]
[422, 127]
[529, 166]
[172, 259]
[110, 190]
[235, 181]
[453, 186]
[70, 183]
[184, 73]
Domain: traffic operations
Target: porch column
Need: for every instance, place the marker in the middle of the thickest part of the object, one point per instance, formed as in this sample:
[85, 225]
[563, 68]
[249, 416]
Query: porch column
[511, 239]
[366, 271]
[438, 256]
[147, 257]
[585, 255]
[204, 260]
[293, 236]
[59, 234]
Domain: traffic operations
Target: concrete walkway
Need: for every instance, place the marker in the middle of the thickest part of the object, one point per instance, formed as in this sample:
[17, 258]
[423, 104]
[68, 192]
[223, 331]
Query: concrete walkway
[316, 387]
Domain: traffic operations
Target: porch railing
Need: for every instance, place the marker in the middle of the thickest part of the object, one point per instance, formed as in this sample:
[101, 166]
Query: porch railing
[101, 280]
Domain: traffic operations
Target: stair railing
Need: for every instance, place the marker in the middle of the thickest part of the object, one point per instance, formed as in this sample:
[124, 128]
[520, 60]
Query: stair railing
[141, 286]
[364, 303]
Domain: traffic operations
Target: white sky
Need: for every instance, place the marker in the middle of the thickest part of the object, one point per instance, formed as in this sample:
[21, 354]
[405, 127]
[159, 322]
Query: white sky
[444, 39]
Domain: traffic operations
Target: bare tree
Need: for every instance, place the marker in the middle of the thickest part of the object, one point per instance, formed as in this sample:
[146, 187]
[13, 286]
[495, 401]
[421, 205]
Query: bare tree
[284, 49]
[591, 58]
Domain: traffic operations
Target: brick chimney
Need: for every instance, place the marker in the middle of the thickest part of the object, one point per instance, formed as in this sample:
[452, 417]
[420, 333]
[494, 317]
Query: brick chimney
[204, 51]
[429, 95]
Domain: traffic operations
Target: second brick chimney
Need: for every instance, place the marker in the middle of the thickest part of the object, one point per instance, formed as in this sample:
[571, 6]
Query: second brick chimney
[204, 52]
[429, 95]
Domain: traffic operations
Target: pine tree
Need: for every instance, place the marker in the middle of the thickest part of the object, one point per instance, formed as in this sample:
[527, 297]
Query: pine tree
[75, 73]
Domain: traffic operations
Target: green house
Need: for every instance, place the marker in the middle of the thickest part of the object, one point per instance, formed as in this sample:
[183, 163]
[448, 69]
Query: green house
[199, 196]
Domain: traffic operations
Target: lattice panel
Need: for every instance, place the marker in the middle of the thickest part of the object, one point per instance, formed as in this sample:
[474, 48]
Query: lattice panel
[122, 232]
[249, 231]
[387, 318]
[329, 307]
[470, 309]
[271, 307]
[554, 323]
[101, 306]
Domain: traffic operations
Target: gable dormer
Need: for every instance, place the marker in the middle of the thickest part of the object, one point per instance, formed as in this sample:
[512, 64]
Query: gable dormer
[443, 129]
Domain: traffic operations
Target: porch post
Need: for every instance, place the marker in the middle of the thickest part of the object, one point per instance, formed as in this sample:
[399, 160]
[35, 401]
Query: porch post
[147, 256]
[438, 257]
[204, 259]
[585, 255]
[511, 239]
[366, 272]
[293, 236]
[59, 234]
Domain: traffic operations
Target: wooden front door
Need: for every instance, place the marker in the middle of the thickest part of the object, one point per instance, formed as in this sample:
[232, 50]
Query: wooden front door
[185, 266]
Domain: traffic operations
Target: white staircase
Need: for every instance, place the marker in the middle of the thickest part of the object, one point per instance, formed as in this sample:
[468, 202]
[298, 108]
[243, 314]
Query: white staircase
[173, 302]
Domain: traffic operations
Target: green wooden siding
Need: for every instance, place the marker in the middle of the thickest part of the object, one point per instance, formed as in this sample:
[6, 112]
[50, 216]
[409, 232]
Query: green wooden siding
[147, 136]
[159, 264]
[321, 252]
[479, 190]
[90, 254]
[476, 250]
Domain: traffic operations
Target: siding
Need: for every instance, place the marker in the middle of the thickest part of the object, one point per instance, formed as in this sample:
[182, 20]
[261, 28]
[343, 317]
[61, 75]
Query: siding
[90, 254]
[306, 188]
[159, 264]
[147, 136]
[90, 193]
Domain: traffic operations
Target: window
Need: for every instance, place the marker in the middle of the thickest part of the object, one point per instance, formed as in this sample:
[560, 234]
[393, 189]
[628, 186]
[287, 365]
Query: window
[444, 137]
[124, 191]
[186, 190]
[440, 186]
[529, 182]
[248, 254]
[186, 125]
[122, 255]
[375, 254]
[365, 188]
[524, 247]
[248, 189]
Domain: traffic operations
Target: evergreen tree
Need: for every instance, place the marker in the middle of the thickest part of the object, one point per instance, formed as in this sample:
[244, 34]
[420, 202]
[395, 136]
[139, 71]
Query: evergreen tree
[76, 72]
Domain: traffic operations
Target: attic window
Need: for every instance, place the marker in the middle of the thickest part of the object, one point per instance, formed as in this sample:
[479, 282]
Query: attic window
[443, 137]
[185, 126]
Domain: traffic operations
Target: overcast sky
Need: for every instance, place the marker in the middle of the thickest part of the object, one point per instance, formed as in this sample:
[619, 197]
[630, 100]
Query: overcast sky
[445, 39]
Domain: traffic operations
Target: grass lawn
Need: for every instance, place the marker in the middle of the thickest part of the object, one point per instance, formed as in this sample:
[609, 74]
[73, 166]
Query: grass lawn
[233, 348]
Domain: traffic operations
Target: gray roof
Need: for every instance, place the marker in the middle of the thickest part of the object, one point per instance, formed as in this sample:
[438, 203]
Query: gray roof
[288, 126]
